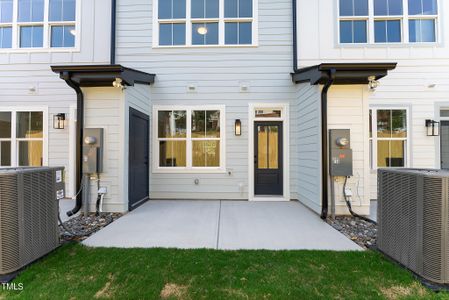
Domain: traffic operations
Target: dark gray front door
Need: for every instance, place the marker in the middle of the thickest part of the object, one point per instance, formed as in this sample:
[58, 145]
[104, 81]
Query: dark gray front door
[138, 187]
[268, 171]
[444, 134]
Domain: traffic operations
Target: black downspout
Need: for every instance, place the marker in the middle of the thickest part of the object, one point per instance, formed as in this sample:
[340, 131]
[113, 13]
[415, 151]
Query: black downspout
[79, 138]
[113, 29]
[324, 154]
[295, 37]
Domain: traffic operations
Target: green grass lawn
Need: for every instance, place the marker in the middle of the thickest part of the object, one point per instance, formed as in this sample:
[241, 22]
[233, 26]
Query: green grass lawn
[78, 272]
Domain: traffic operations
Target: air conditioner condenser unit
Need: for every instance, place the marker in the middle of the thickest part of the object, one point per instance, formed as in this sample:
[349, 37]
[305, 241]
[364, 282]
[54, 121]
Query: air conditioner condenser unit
[413, 220]
[28, 214]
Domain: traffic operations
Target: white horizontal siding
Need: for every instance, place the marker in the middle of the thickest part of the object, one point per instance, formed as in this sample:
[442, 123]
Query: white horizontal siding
[348, 109]
[104, 108]
[408, 86]
[19, 72]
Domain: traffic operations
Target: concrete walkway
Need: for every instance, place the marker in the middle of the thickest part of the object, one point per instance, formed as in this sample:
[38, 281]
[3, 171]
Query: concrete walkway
[221, 225]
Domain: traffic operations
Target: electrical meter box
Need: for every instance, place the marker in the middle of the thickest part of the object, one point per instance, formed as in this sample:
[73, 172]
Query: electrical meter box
[340, 161]
[92, 150]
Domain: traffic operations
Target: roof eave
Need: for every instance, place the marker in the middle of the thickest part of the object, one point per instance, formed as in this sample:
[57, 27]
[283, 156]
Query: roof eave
[102, 75]
[345, 73]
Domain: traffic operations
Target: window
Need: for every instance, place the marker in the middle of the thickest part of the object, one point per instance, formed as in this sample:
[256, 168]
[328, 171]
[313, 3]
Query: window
[189, 138]
[6, 23]
[353, 21]
[33, 27]
[388, 138]
[387, 21]
[21, 138]
[200, 23]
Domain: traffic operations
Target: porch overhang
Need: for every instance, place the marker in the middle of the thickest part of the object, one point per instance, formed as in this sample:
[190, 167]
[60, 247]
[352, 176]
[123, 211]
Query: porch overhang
[344, 73]
[102, 75]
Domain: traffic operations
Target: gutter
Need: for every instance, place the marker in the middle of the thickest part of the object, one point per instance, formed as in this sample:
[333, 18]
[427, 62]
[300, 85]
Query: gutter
[113, 30]
[324, 129]
[79, 138]
[295, 36]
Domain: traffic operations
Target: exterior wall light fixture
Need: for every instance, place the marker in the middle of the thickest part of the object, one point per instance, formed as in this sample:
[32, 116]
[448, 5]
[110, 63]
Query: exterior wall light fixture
[433, 128]
[238, 127]
[58, 121]
[372, 83]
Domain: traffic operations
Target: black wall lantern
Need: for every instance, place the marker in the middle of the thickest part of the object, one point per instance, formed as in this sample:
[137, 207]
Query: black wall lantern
[58, 121]
[433, 128]
[238, 127]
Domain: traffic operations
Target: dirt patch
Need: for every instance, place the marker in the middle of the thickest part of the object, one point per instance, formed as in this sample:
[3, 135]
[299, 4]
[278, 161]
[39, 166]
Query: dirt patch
[172, 290]
[399, 291]
[105, 291]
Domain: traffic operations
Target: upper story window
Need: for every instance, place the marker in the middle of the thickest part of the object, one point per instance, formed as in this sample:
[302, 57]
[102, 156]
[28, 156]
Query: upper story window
[37, 23]
[388, 21]
[204, 22]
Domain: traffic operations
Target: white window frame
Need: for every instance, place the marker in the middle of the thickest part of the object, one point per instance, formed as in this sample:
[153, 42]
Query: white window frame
[189, 168]
[374, 139]
[404, 18]
[46, 29]
[221, 27]
[15, 140]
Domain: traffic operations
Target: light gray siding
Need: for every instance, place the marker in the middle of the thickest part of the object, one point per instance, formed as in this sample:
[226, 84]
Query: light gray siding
[217, 73]
[306, 138]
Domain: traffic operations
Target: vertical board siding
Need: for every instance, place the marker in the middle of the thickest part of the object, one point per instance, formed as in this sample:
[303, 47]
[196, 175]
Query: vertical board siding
[217, 73]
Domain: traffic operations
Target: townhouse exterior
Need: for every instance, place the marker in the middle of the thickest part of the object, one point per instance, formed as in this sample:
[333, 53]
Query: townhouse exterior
[224, 99]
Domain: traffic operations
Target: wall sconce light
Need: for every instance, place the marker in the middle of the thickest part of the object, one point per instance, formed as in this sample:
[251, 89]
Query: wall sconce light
[117, 83]
[238, 127]
[372, 83]
[433, 128]
[58, 121]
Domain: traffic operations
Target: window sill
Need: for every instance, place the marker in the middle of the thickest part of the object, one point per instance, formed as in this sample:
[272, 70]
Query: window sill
[204, 46]
[390, 45]
[189, 171]
[39, 50]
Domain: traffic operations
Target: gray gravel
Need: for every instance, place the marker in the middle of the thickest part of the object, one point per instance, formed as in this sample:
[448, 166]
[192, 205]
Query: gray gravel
[361, 232]
[81, 227]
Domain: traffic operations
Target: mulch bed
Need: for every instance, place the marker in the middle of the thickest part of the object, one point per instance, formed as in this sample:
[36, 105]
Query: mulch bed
[361, 232]
[82, 226]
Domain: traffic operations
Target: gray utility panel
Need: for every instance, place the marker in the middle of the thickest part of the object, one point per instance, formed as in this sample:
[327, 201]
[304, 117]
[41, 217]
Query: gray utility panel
[340, 161]
[93, 150]
[413, 220]
[28, 214]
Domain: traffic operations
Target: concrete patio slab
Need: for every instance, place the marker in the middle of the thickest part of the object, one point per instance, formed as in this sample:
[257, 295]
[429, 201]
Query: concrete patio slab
[166, 224]
[221, 225]
[277, 226]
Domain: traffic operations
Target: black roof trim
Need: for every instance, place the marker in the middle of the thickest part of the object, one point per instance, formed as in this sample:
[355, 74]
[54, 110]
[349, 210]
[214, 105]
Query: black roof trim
[345, 73]
[102, 75]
